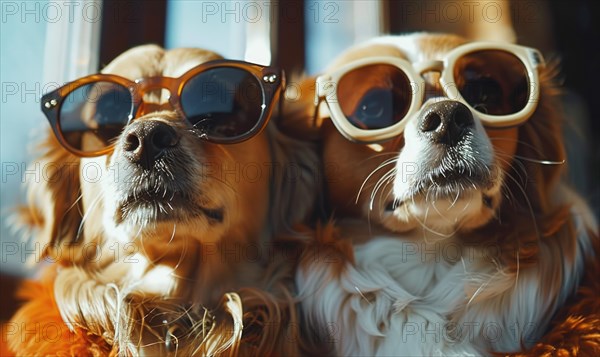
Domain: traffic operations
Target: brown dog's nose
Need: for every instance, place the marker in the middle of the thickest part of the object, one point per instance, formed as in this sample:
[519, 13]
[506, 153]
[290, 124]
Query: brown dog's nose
[147, 141]
[446, 122]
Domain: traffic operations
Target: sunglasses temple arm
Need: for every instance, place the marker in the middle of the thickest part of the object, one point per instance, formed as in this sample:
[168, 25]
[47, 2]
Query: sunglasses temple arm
[282, 92]
[318, 102]
[280, 105]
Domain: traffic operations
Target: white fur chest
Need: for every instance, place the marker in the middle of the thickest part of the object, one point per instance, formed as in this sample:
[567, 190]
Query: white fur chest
[403, 297]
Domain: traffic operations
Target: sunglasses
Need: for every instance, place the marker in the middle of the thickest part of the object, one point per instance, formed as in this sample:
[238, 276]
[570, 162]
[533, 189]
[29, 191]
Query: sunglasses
[370, 100]
[226, 101]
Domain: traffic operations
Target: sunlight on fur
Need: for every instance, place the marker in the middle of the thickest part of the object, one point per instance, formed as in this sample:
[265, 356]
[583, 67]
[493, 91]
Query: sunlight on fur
[179, 257]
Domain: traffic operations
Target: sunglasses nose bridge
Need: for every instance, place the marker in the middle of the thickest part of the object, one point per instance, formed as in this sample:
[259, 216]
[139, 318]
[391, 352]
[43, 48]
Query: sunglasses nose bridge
[431, 71]
[147, 108]
[428, 66]
[145, 87]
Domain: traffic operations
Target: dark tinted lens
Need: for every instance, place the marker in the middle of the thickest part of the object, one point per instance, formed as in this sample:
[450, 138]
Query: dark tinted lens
[94, 114]
[223, 103]
[493, 82]
[375, 96]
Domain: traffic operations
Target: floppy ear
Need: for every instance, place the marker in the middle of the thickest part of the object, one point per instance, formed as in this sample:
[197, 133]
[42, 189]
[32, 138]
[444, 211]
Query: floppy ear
[53, 212]
[298, 119]
[295, 181]
[534, 202]
[541, 139]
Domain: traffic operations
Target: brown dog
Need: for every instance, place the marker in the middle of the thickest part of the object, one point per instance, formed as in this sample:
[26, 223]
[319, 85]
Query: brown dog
[455, 234]
[169, 246]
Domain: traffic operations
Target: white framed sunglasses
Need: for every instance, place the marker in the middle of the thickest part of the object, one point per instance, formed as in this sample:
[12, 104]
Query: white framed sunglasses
[370, 99]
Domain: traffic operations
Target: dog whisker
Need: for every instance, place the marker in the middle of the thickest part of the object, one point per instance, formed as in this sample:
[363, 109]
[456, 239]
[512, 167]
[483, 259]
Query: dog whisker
[384, 195]
[527, 202]
[519, 170]
[442, 215]
[377, 156]
[88, 211]
[455, 199]
[423, 225]
[466, 206]
[162, 209]
[386, 177]
[379, 167]
[532, 147]
[543, 162]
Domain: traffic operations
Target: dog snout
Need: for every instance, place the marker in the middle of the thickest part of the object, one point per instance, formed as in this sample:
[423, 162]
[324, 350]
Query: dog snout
[446, 122]
[147, 141]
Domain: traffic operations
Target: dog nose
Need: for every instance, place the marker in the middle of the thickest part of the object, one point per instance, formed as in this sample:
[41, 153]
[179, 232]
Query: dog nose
[446, 122]
[147, 141]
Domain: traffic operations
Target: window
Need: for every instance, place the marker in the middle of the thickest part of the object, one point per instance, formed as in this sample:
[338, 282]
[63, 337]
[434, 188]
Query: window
[44, 44]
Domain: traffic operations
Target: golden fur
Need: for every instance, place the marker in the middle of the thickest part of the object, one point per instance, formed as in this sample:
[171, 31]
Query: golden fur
[41, 310]
[191, 285]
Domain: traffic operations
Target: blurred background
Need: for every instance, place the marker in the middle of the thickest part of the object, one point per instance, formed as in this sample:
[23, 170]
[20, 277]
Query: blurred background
[47, 43]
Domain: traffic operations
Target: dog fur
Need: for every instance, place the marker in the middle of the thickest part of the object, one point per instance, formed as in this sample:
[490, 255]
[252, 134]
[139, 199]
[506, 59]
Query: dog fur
[438, 276]
[209, 283]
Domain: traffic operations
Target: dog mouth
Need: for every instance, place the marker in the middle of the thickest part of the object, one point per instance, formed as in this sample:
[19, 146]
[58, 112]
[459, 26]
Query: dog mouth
[147, 207]
[443, 182]
[393, 205]
[447, 182]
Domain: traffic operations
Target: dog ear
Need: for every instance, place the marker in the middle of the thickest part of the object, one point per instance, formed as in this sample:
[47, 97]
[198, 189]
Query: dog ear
[541, 140]
[298, 118]
[53, 211]
[295, 181]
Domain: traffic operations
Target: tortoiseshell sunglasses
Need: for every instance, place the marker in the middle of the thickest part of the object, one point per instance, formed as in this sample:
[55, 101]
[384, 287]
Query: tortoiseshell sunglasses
[226, 101]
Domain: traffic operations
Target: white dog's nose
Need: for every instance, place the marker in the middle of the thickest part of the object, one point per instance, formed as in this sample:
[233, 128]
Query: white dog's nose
[445, 122]
[146, 141]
